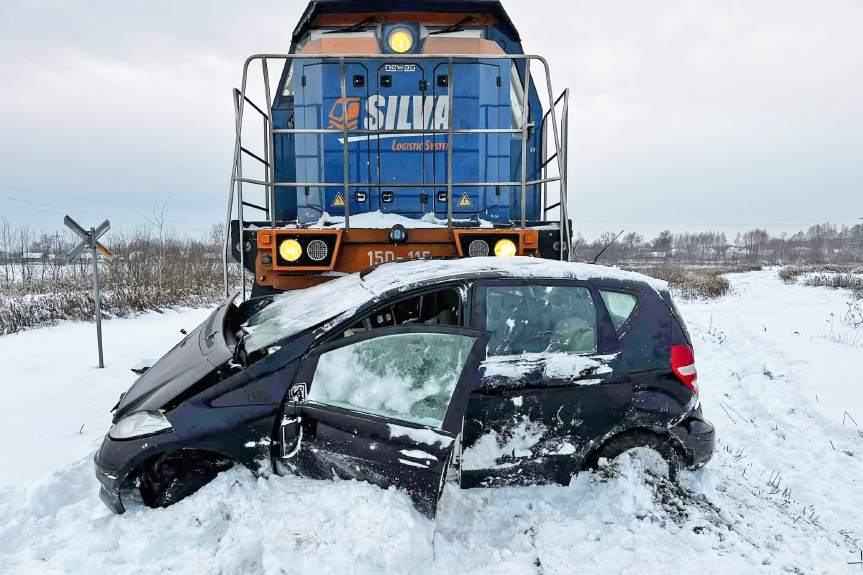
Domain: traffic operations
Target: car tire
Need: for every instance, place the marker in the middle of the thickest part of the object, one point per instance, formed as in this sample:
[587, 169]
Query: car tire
[631, 441]
[173, 477]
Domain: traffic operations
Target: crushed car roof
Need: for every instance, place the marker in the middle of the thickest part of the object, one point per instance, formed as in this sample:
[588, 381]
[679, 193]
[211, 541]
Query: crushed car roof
[296, 311]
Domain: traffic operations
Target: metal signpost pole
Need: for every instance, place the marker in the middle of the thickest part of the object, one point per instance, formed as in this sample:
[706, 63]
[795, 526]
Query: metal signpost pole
[90, 241]
[95, 251]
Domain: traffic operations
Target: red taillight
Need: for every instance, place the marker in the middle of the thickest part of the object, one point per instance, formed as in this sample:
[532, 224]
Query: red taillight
[683, 366]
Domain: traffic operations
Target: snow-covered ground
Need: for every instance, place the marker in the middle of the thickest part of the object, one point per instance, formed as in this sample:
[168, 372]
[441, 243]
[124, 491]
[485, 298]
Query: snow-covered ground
[57, 402]
[783, 494]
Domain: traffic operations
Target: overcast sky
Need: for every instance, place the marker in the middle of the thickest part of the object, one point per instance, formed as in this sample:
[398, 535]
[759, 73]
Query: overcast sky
[685, 114]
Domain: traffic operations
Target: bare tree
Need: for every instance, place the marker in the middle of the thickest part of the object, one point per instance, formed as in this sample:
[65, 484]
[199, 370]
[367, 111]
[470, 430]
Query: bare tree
[162, 235]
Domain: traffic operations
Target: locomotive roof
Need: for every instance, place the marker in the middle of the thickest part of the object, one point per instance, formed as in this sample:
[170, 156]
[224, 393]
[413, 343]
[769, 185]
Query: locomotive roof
[318, 7]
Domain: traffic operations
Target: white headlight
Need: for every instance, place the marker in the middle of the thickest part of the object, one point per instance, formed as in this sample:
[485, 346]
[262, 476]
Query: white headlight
[139, 424]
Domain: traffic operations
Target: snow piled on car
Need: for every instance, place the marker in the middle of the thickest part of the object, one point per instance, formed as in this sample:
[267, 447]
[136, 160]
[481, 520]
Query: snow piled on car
[299, 310]
[584, 370]
[490, 448]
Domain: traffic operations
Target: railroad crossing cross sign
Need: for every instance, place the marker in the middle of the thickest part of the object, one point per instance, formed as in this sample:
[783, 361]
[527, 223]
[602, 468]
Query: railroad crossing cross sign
[90, 241]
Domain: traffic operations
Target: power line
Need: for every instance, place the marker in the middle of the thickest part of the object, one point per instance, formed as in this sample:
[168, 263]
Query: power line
[78, 210]
[128, 219]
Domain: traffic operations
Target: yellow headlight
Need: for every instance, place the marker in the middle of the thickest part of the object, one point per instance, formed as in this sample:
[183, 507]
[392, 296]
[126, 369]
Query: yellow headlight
[505, 249]
[401, 41]
[290, 250]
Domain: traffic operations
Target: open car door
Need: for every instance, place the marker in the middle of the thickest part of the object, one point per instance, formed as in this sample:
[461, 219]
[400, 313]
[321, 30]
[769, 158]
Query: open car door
[384, 406]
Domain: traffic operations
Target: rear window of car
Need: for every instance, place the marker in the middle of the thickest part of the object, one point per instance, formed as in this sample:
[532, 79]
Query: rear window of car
[620, 306]
[540, 318]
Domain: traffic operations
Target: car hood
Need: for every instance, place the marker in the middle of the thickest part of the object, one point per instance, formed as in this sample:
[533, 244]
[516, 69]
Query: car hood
[191, 360]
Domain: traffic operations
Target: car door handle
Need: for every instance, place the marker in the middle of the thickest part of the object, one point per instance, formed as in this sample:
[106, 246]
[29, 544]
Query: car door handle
[294, 449]
[592, 379]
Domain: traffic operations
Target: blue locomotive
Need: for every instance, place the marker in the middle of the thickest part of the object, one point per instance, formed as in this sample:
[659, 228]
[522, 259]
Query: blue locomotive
[399, 129]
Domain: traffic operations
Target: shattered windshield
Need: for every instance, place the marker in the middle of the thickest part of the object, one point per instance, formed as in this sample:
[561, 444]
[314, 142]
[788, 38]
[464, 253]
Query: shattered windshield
[298, 310]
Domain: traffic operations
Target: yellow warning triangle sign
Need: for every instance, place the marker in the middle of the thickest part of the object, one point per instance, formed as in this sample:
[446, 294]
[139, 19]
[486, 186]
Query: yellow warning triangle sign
[465, 202]
[339, 202]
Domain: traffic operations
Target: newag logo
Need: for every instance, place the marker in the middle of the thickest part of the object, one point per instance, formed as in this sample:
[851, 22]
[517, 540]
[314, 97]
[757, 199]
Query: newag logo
[390, 113]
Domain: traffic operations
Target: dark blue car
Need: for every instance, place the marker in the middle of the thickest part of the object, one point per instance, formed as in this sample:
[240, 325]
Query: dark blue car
[502, 371]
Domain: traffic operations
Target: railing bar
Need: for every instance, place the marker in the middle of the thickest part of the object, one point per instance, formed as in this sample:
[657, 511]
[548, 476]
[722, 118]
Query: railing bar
[551, 207]
[396, 184]
[548, 160]
[256, 206]
[544, 136]
[252, 104]
[268, 143]
[345, 144]
[227, 246]
[564, 143]
[449, 144]
[255, 156]
[524, 118]
[268, 175]
[355, 57]
[457, 132]
[556, 102]
[240, 220]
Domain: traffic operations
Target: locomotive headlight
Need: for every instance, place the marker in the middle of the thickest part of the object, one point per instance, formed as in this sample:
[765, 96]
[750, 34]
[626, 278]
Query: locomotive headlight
[505, 249]
[400, 40]
[290, 250]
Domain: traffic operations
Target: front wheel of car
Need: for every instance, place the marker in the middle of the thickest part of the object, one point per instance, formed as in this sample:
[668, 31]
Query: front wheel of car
[656, 452]
[173, 477]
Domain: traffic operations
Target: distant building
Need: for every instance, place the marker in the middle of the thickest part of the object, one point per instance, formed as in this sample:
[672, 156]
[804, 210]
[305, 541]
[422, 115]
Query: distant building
[32, 258]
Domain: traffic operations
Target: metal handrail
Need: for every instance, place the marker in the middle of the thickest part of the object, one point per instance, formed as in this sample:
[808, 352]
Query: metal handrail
[237, 179]
[397, 184]
[398, 132]
[560, 153]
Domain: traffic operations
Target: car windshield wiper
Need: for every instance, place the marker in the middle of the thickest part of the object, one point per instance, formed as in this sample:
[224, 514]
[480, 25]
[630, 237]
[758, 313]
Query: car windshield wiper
[241, 345]
[358, 27]
[457, 27]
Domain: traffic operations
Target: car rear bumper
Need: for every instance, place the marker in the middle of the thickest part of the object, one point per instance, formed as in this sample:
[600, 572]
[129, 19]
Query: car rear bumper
[698, 438]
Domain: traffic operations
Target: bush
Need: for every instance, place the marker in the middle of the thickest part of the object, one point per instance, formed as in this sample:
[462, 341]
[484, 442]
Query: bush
[837, 276]
[789, 274]
[853, 282]
[147, 274]
[694, 282]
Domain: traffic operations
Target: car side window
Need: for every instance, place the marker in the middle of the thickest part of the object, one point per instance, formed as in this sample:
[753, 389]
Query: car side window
[409, 377]
[441, 307]
[619, 305]
[540, 318]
